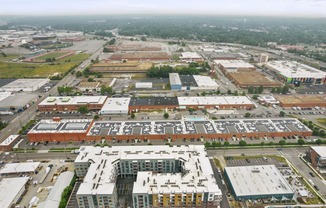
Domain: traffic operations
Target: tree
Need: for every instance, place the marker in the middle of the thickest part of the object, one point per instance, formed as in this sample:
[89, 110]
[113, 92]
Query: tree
[132, 115]
[229, 92]
[282, 142]
[242, 143]
[207, 144]
[90, 80]
[218, 92]
[273, 90]
[236, 93]
[285, 89]
[261, 89]
[319, 141]
[255, 97]
[247, 115]
[226, 144]
[282, 113]
[83, 109]
[96, 117]
[143, 39]
[250, 90]
[262, 144]
[301, 142]
[322, 133]
[112, 41]
[243, 93]
[216, 144]
[166, 115]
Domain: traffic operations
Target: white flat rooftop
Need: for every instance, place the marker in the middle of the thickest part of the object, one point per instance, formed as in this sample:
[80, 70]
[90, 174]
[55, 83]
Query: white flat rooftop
[320, 150]
[199, 176]
[9, 140]
[216, 100]
[205, 81]
[257, 180]
[190, 55]
[10, 168]
[293, 69]
[24, 83]
[115, 104]
[76, 100]
[4, 95]
[234, 64]
[9, 189]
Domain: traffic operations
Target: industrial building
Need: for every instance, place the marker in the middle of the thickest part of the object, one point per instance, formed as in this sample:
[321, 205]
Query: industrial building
[258, 182]
[24, 85]
[317, 157]
[191, 57]
[245, 79]
[218, 102]
[153, 103]
[16, 102]
[68, 103]
[121, 67]
[292, 72]
[11, 191]
[227, 66]
[54, 197]
[9, 143]
[89, 87]
[165, 176]
[60, 130]
[141, 56]
[268, 100]
[191, 82]
[196, 129]
[115, 106]
[144, 85]
[18, 168]
[85, 129]
[302, 101]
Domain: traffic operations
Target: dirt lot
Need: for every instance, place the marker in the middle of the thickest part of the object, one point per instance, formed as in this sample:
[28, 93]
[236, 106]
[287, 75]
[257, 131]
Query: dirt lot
[119, 67]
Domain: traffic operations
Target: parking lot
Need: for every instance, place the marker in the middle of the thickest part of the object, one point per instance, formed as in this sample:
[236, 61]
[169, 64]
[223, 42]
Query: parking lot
[245, 161]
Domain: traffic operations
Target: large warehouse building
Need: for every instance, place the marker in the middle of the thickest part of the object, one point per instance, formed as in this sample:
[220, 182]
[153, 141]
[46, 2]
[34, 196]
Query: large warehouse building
[227, 66]
[79, 130]
[141, 56]
[11, 191]
[60, 130]
[303, 101]
[24, 85]
[115, 106]
[291, 72]
[94, 103]
[165, 176]
[261, 182]
[191, 82]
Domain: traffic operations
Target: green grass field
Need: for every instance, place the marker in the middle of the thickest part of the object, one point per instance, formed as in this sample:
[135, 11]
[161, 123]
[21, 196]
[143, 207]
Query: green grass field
[35, 70]
[51, 55]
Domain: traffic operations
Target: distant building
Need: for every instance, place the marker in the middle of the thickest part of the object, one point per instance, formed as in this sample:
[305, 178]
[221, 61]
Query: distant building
[165, 176]
[258, 182]
[291, 72]
[11, 191]
[144, 85]
[263, 58]
[24, 85]
[303, 101]
[9, 143]
[192, 82]
[71, 103]
[89, 87]
[268, 100]
[317, 157]
[191, 57]
[227, 66]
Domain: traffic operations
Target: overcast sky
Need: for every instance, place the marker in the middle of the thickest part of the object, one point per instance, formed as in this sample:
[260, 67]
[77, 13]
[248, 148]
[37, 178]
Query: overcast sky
[314, 8]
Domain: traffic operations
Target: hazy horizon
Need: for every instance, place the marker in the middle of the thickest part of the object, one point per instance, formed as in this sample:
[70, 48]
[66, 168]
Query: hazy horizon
[288, 8]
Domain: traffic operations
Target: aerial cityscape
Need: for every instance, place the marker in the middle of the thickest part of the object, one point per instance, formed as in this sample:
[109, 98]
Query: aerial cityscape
[174, 104]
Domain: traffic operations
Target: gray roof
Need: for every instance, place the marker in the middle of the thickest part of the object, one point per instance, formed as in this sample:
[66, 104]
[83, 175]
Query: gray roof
[174, 79]
[257, 180]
